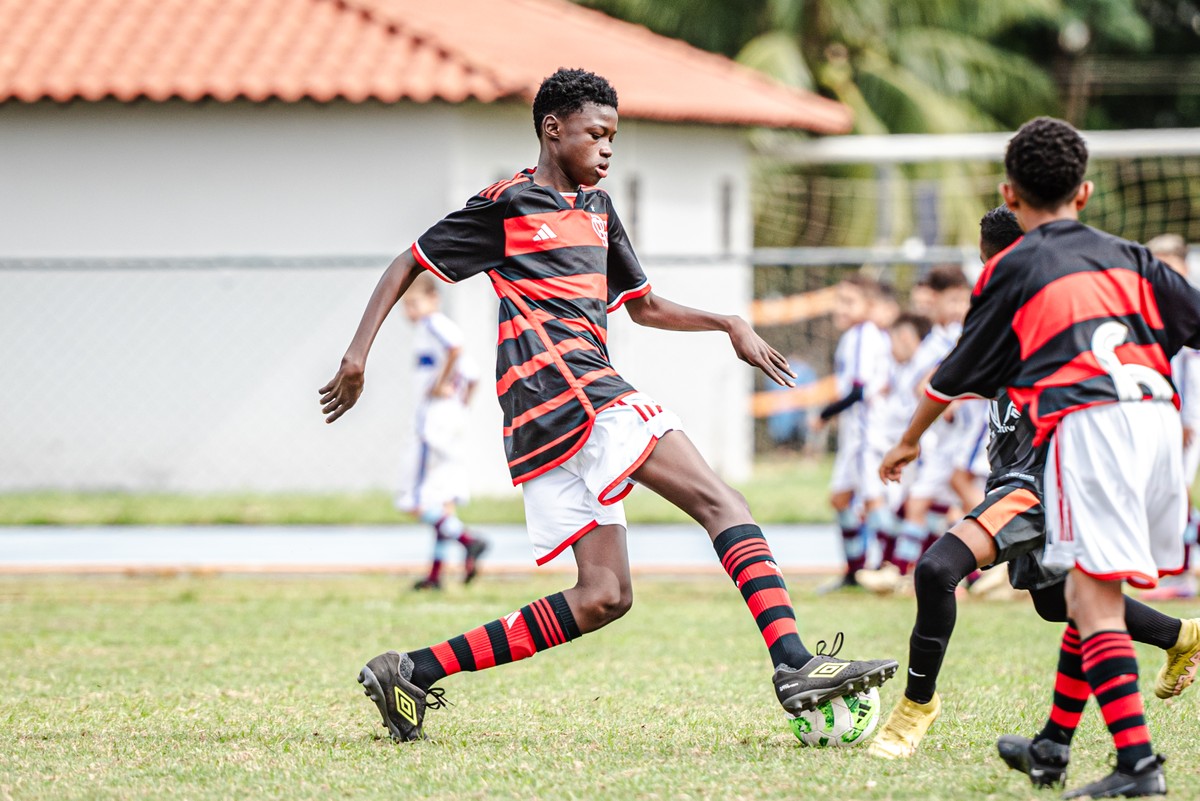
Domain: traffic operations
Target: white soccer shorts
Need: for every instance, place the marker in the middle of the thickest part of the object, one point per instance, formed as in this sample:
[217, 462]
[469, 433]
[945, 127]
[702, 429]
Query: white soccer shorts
[1116, 502]
[431, 473]
[584, 492]
[856, 463]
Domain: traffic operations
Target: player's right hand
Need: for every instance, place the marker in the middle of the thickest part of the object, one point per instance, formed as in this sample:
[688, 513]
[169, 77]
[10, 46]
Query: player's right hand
[342, 391]
[895, 460]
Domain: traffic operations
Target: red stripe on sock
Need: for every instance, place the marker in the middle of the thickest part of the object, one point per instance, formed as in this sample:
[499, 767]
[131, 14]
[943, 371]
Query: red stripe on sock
[552, 622]
[766, 599]
[481, 648]
[1124, 707]
[757, 570]
[543, 624]
[1077, 689]
[445, 656]
[520, 641]
[1066, 718]
[742, 549]
[778, 629]
[1138, 735]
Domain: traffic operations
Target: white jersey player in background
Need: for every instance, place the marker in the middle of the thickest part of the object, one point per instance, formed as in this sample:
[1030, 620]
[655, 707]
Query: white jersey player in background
[433, 479]
[1185, 373]
[862, 364]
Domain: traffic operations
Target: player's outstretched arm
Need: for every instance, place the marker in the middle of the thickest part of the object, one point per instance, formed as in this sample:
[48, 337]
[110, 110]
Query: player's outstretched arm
[653, 311]
[909, 446]
[344, 389]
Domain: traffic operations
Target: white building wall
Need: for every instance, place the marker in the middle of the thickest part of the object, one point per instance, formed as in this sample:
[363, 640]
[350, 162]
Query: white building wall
[205, 379]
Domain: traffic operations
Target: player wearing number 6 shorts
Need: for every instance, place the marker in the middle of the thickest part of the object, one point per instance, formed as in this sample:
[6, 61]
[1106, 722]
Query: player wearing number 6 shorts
[1008, 526]
[1080, 327]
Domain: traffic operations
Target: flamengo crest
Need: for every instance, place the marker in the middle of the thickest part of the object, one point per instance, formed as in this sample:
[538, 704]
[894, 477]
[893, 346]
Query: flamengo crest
[600, 227]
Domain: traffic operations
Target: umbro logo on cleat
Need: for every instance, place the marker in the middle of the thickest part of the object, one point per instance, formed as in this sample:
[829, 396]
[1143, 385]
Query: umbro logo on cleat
[405, 706]
[829, 669]
[544, 233]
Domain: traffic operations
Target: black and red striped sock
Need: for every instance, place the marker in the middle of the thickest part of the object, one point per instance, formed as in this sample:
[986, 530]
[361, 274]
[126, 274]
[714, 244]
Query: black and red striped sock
[747, 559]
[543, 624]
[1112, 672]
[1071, 691]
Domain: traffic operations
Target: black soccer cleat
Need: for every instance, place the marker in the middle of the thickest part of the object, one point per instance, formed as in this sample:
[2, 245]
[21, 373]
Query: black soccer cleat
[823, 677]
[386, 681]
[1145, 779]
[428, 584]
[471, 564]
[1043, 761]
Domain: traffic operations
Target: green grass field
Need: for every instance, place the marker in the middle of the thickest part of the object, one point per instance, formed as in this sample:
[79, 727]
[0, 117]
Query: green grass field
[781, 491]
[243, 688]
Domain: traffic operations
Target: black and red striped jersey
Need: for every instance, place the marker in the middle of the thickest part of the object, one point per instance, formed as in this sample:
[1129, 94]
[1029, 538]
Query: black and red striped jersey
[560, 263]
[1070, 317]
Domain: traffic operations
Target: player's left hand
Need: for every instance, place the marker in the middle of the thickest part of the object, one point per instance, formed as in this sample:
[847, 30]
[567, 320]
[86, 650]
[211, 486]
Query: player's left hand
[1189, 434]
[895, 460]
[442, 389]
[753, 350]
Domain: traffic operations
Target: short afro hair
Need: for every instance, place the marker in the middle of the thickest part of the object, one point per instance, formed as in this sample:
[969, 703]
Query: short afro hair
[1046, 161]
[568, 91]
[997, 230]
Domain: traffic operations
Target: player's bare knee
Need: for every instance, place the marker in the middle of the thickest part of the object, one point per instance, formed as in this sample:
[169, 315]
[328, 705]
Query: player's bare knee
[604, 604]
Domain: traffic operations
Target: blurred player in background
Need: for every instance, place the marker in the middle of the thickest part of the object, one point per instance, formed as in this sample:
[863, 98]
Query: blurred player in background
[1007, 527]
[433, 481]
[930, 496]
[861, 365]
[1171, 250]
[577, 435]
[900, 400]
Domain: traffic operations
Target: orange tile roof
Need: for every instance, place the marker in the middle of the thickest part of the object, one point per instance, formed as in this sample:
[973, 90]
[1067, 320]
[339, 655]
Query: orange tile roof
[385, 50]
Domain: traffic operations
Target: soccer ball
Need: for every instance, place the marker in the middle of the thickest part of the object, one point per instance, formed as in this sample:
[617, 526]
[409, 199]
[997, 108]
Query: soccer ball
[841, 722]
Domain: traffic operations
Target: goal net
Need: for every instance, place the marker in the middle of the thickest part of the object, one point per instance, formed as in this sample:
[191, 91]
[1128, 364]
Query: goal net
[894, 206]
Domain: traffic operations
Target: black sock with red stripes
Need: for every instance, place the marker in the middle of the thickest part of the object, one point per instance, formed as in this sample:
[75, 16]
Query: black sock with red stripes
[543, 624]
[1071, 691]
[1112, 673]
[747, 559]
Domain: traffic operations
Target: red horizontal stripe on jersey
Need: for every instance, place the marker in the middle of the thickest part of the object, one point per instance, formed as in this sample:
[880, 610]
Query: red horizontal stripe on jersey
[561, 399]
[565, 228]
[540, 361]
[990, 267]
[1083, 296]
[559, 287]
[1085, 366]
[511, 329]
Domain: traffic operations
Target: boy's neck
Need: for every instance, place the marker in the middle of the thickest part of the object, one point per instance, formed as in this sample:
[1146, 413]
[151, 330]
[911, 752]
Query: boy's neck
[549, 174]
[1036, 218]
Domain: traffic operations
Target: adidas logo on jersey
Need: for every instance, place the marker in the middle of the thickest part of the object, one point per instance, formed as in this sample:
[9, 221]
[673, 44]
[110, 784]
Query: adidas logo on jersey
[544, 233]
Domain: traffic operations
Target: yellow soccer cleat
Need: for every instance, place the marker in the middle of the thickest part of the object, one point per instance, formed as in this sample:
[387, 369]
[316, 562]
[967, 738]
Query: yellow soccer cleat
[904, 728]
[1182, 660]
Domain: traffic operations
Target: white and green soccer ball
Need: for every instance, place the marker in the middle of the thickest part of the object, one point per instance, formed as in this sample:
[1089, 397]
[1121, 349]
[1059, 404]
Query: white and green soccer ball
[838, 723]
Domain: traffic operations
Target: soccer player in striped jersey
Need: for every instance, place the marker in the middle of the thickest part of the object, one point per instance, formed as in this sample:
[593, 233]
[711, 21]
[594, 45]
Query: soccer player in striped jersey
[1080, 326]
[576, 434]
[1008, 526]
